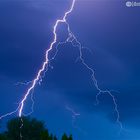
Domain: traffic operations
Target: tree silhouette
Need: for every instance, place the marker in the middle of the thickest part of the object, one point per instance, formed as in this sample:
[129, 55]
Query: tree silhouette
[54, 138]
[70, 137]
[44, 135]
[3, 137]
[28, 129]
[65, 137]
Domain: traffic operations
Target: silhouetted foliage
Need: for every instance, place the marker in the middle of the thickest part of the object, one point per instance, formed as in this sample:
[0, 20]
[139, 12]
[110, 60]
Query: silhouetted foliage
[54, 138]
[28, 129]
[3, 136]
[64, 137]
[70, 137]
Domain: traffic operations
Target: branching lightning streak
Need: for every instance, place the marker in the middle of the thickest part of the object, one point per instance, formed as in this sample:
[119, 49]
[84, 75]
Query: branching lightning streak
[44, 65]
[100, 91]
[38, 78]
[10, 113]
[46, 60]
[23, 83]
[74, 114]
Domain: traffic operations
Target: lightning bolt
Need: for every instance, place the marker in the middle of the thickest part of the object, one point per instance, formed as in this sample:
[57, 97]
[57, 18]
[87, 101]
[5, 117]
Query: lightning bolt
[23, 83]
[63, 20]
[92, 71]
[41, 72]
[74, 114]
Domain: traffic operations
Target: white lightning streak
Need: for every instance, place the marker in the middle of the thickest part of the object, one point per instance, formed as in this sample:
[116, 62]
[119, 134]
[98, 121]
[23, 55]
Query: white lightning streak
[38, 78]
[63, 20]
[100, 91]
[45, 63]
[75, 116]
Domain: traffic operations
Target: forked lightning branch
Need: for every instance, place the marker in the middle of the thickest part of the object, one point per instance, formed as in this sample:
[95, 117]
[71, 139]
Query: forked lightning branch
[72, 39]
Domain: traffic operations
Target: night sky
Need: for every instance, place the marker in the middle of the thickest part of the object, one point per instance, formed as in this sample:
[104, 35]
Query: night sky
[110, 33]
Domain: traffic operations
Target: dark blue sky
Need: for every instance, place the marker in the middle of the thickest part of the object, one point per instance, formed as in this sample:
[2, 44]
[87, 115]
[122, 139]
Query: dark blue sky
[109, 29]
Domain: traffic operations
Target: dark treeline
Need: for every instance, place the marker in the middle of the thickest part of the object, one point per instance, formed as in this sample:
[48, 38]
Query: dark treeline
[28, 129]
